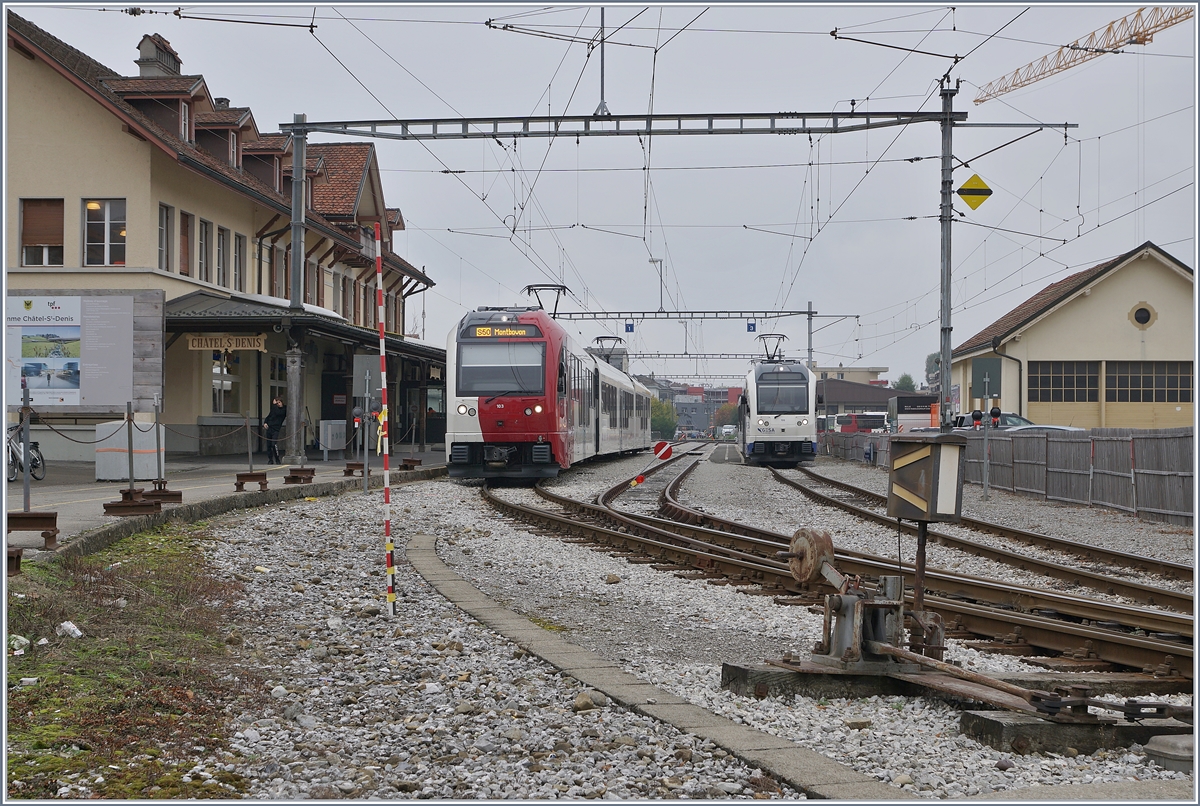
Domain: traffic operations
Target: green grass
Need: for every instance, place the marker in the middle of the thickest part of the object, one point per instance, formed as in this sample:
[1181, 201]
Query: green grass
[144, 688]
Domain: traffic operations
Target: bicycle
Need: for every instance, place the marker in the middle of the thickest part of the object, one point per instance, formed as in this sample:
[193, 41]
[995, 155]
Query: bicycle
[15, 460]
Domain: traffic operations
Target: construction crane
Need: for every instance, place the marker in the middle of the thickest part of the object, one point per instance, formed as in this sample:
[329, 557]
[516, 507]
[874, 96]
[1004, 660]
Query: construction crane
[1136, 29]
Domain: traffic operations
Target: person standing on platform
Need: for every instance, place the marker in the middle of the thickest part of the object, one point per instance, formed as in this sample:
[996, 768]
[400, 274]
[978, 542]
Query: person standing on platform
[274, 421]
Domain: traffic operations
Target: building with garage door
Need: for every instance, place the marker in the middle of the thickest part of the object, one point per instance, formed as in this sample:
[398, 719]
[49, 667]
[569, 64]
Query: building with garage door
[1112, 346]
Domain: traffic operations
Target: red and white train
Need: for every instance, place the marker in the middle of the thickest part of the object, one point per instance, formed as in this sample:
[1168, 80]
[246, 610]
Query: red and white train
[525, 401]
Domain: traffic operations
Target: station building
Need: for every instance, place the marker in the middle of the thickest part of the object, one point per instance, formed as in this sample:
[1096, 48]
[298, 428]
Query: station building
[1112, 346]
[153, 218]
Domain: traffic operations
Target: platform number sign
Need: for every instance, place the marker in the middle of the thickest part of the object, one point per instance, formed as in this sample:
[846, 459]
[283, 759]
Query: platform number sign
[751, 327]
[629, 327]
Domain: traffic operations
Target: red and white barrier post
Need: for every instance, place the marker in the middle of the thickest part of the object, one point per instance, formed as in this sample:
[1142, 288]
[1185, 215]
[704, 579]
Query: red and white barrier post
[388, 545]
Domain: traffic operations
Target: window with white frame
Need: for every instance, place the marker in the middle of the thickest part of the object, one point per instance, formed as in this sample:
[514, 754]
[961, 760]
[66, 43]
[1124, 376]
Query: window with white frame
[233, 149]
[335, 303]
[165, 216]
[239, 262]
[41, 232]
[222, 257]
[204, 251]
[104, 232]
[185, 129]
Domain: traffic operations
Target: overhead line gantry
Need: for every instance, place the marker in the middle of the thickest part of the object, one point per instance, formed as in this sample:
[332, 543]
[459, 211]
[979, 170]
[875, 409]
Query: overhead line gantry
[550, 126]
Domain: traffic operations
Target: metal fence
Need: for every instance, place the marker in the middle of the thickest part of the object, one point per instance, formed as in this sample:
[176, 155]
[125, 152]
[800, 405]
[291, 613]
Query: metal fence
[1144, 472]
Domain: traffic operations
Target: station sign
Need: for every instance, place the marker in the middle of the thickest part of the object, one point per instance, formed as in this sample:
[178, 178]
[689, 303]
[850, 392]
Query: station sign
[227, 342]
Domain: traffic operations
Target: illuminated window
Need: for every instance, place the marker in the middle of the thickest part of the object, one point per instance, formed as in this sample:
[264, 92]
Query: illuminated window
[104, 232]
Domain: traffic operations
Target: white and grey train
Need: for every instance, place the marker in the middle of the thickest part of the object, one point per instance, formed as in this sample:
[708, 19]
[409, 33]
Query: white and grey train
[777, 414]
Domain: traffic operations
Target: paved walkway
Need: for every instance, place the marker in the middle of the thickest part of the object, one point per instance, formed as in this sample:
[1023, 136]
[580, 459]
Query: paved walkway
[207, 484]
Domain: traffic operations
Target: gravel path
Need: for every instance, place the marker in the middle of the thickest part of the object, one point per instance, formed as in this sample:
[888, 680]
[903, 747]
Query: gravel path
[433, 705]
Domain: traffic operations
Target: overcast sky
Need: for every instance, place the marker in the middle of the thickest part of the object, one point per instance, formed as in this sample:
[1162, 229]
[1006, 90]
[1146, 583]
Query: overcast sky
[747, 222]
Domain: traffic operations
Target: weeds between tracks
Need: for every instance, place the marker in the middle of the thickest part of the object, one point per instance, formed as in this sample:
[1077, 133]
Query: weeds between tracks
[127, 709]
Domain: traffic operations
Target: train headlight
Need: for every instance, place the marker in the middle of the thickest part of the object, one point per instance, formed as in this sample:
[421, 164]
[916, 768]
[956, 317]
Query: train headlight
[462, 408]
[802, 421]
[538, 408]
[528, 412]
[761, 421]
[471, 411]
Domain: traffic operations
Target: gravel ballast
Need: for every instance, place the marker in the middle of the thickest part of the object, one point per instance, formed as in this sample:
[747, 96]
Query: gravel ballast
[432, 704]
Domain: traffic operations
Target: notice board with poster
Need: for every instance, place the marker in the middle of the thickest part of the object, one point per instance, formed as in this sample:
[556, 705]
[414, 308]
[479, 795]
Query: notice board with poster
[84, 350]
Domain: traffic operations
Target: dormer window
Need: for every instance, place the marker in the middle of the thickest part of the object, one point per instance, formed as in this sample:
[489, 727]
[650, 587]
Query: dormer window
[184, 122]
[278, 164]
[233, 149]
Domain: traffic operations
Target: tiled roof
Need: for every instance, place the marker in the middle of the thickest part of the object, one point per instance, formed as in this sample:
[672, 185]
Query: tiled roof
[233, 116]
[1050, 297]
[346, 165]
[395, 219]
[153, 85]
[95, 75]
[277, 143]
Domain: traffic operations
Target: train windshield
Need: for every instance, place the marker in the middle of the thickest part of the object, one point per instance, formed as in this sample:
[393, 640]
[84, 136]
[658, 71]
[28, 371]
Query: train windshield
[782, 396]
[506, 368]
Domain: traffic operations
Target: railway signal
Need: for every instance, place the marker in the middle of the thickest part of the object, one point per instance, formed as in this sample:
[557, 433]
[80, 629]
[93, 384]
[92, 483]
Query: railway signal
[662, 450]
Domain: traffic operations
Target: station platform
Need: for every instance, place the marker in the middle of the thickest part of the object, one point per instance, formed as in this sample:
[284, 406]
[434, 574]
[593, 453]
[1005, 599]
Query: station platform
[71, 489]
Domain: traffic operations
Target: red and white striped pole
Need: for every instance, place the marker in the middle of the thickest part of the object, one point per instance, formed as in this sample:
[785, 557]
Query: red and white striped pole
[389, 546]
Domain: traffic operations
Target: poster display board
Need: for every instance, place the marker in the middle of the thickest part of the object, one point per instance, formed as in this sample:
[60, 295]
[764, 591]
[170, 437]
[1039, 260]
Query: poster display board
[69, 350]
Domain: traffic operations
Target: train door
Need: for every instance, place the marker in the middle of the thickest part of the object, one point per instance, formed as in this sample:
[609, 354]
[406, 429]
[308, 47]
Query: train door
[596, 408]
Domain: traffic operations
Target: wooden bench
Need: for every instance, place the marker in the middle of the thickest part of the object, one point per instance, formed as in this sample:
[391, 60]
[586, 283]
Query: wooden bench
[409, 464]
[300, 475]
[353, 468]
[250, 478]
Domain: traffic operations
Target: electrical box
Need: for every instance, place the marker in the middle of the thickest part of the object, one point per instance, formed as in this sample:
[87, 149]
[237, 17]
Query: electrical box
[926, 477]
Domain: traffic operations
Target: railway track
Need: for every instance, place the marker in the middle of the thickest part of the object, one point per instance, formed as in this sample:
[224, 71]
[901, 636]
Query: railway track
[727, 557]
[1155, 595]
[1086, 551]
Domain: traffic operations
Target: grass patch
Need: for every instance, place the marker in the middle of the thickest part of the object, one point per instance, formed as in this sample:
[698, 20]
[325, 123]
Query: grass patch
[123, 711]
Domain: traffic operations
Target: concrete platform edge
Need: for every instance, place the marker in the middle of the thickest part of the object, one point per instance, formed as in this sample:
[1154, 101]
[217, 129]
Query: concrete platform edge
[848, 783]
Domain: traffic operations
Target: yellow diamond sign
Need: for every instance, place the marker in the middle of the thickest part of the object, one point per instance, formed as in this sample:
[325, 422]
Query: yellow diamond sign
[974, 192]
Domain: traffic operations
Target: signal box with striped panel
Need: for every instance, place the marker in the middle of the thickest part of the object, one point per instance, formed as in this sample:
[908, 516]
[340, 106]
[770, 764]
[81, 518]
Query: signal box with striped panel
[926, 477]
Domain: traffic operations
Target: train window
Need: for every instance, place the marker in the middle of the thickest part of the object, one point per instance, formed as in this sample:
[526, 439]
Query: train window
[489, 368]
[562, 372]
[784, 395]
[626, 408]
[608, 403]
